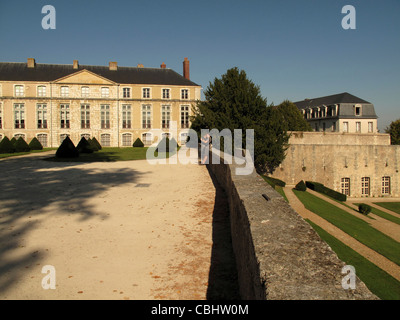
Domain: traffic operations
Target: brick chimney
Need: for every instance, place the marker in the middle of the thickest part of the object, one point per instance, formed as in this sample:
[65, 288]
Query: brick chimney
[31, 63]
[186, 73]
[113, 66]
[163, 66]
[75, 64]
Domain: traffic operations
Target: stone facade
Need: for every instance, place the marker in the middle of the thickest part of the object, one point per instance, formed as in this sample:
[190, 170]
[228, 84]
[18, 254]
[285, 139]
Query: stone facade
[359, 165]
[86, 103]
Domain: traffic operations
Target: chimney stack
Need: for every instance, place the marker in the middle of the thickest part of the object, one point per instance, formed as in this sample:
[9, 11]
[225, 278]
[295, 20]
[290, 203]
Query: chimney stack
[31, 63]
[186, 69]
[140, 65]
[163, 66]
[113, 66]
[75, 64]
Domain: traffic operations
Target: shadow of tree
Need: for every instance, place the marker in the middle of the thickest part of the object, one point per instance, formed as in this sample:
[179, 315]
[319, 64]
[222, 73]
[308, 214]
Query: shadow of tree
[32, 189]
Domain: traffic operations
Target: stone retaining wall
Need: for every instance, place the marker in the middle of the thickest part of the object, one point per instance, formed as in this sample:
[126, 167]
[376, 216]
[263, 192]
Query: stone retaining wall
[278, 255]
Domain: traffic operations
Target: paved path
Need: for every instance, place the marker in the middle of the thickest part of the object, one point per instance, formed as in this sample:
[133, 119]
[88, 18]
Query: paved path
[379, 260]
[112, 230]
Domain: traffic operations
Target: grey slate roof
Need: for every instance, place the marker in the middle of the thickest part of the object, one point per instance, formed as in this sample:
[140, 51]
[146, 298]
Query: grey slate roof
[15, 71]
[339, 98]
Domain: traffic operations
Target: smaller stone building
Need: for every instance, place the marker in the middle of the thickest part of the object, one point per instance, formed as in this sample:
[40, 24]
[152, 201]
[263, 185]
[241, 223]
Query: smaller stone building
[356, 164]
[341, 112]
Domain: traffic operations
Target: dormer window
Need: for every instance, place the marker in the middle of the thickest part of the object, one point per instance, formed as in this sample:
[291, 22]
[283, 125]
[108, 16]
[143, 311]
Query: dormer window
[357, 110]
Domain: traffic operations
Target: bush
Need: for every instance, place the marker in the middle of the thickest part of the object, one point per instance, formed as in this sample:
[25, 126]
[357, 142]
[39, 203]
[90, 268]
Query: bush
[138, 143]
[364, 208]
[21, 145]
[301, 186]
[35, 144]
[276, 182]
[67, 149]
[13, 141]
[319, 187]
[165, 145]
[6, 146]
[84, 146]
[96, 143]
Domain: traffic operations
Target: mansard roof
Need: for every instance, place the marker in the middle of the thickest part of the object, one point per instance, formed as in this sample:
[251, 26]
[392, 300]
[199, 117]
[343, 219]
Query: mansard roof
[339, 98]
[14, 71]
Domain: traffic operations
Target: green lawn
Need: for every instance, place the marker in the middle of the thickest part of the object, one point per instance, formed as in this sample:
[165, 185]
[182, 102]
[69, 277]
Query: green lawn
[378, 281]
[277, 188]
[107, 154]
[15, 154]
[393, 206]
[353, 226]
[384, 215]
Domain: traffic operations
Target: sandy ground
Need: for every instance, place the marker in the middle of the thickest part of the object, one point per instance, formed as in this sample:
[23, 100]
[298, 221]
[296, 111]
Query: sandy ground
[112, 230]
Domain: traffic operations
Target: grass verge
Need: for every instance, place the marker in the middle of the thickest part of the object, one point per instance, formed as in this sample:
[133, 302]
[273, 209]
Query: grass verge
[378, 281]
[353, 226]
[15, 154]
[392, 206]
[384, 215]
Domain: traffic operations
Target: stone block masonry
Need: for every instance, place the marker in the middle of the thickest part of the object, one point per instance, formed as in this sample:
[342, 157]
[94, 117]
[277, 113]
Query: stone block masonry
[278, 254]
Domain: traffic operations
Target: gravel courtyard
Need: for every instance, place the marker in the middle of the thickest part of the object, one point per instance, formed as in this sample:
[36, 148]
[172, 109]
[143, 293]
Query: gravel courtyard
[111, 230]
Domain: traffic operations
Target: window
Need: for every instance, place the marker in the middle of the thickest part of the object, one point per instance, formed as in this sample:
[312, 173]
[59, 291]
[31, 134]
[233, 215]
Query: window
[19, 135]
[85, 116]
[146, 93]
[85, 135]
[64, 90]
[64, 116]
[63, 136]
[126, 92]
[165, 93]
[334, 127]
[41, 110]
[345, 186]
[370, 127]
[165, 116]
[146, 116]
[345, 126]
[85, 92]
[42, 137]
[184, 94]
[105, 92]
[386, 185]
[41, 91]
[183, 137]
[105, 140]
[357, 110]
[365, 183]
[105, 116]
[184, 117]
[126, 116]
[358, 126]
[19, 91]
[147, 138]
[19, 116]
[127, 139]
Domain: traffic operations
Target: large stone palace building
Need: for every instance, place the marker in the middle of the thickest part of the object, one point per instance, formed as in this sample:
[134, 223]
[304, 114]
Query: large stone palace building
[112, 103]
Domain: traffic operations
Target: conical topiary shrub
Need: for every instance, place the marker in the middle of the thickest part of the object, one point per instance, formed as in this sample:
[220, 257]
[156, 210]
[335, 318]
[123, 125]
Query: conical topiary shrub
[93, 145]
[138, 143]
[35, 144]
[94, 140]
[21, 145]
[6, 146]
[67, 149]
[84, 146]
[301, 186]
[13, 141]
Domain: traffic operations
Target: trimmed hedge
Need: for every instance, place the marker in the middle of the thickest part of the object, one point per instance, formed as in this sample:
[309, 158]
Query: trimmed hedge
[67, 149]
[276, 182]
[301, 186]
[21, 145]
[6, 146]
[84, 146]
[319, 187]
[364, 208]
[13, 141]
[138, 143]
[35, 144]
[96, 143]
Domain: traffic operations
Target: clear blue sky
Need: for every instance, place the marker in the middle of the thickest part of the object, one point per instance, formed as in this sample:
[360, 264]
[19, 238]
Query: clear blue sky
[292, 49]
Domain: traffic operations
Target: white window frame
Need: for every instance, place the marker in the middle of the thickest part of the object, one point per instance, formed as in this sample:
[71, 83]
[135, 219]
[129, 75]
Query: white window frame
[105, 142]
[188, 115]
[386, 181]
[370, 127]
[166, 111]
[19, 90]
[105, 122]
[146, 93]
[105, 92]
[41, 91]
[345, 186]
[358, 126]
[65, 116]
[345, 126]
[126, 143]
[43, 142]
[145, 140]
[41, 115]
[85, 92]
[146, 126]
[166, 93]
[64, 91]
[126, 90]
[126, 116]
[19, 115]
[365, 186]
[185, 94]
